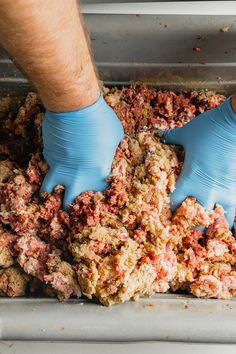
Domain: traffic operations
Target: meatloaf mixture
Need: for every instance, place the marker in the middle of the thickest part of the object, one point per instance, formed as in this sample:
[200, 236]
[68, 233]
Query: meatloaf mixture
[124, 242]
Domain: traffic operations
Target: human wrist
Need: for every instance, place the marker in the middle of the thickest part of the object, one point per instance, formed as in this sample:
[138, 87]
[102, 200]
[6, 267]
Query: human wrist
[71, 93]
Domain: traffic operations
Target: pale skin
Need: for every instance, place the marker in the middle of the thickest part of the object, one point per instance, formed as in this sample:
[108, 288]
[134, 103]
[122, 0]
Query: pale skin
[48, 42]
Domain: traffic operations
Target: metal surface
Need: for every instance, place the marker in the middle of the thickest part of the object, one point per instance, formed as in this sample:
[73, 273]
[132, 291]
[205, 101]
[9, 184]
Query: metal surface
[163, 8]
[160, 318]
[158, 49]
[114, 348]
[128, 1]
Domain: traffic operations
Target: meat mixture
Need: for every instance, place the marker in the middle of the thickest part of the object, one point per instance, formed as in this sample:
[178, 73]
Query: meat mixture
[124, 242]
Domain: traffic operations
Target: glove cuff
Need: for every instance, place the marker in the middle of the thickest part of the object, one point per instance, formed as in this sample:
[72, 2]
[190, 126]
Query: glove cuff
[227, 110]
[100, 103]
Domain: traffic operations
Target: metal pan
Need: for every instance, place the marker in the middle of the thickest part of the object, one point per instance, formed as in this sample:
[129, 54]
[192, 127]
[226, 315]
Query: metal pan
[152, 43]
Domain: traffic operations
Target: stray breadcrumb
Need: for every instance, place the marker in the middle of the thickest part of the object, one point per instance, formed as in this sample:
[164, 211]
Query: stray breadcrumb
[224, 29]
[197, 49]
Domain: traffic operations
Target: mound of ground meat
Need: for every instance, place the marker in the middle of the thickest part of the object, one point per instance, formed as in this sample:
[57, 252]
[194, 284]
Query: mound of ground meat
[124, 242]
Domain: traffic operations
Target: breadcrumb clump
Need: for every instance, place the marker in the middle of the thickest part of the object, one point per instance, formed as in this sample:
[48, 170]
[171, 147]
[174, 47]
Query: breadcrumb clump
[124, 242]
[62, 277]
[13, 282]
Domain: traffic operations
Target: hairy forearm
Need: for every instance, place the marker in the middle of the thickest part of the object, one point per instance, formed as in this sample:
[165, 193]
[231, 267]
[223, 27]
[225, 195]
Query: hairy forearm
[47, 40]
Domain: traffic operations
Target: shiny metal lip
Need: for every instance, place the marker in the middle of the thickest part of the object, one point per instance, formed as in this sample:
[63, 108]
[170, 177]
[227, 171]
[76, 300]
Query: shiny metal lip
[163, 8]
[163, 317]
[155, 47]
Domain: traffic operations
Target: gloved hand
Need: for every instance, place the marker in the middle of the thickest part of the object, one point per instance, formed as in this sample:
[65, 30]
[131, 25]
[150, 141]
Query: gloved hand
[79, 147]
[209, 170]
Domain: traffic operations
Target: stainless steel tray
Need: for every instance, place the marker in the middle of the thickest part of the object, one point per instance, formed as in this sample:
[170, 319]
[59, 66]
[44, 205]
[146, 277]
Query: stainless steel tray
[163, 317]
[161, 324]
[36, 347]
[152, 43]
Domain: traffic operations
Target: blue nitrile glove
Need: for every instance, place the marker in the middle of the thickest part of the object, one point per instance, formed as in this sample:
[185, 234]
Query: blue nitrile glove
[209, 170]
[79, 147]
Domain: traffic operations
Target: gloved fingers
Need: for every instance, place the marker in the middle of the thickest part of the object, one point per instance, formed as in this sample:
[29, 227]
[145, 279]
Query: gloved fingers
[174, 136]
[71, 192]
[80, 185]
[208, 205]
[176, 198]
[49, 182]
[230, 214]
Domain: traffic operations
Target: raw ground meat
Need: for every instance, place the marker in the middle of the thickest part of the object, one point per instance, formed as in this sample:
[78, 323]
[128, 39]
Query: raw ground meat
[124, 242]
